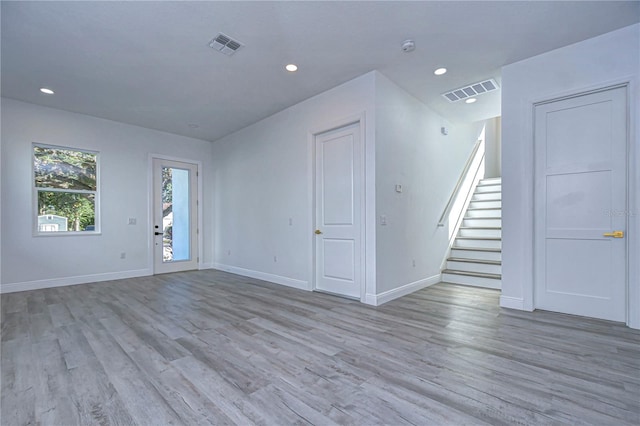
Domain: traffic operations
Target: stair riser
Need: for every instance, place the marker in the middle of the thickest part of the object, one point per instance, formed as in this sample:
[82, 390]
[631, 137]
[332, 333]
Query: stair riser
[493, 213]
[474, 267]
[485, 233]
[488, 188]
[479, 255]
[488, 204]
[492, 223]
[472, 281]
[461, 242]
[490, 181]
[487, 196]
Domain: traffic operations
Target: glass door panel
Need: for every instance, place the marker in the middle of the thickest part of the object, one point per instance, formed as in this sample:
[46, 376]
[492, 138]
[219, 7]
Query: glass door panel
[175, 216]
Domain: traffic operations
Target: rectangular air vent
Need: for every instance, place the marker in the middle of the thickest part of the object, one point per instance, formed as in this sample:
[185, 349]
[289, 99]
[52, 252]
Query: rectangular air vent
[225, 44]
[471, 90]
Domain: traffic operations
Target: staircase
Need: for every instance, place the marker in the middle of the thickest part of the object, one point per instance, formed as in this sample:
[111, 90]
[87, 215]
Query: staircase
[476, 253]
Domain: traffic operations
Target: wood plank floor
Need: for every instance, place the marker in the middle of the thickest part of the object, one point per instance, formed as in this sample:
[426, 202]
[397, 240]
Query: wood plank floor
[209, 347]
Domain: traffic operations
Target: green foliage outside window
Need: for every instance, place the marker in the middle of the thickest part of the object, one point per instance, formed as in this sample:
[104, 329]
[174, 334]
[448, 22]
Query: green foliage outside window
[167, 185]
[66, 184]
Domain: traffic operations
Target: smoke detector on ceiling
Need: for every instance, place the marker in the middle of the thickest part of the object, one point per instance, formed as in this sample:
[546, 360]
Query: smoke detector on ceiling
[225, 44]
[471, 90]
[408, 46]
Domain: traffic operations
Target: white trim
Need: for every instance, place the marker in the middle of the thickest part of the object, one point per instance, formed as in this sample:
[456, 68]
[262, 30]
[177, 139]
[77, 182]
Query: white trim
[205, 266]
[370, 299]
[337, 124]
[513, 303]
[264, 276]
[633, 204]
[79, 279]
[387, 296]
[200, 233]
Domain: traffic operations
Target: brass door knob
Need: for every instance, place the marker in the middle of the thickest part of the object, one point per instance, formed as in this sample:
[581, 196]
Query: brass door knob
[318, 232]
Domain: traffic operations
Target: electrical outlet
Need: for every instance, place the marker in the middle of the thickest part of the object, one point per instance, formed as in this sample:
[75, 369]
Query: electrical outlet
[413, 262]
[290, 221]
[275, 258]
[228, 252]
[383, 220]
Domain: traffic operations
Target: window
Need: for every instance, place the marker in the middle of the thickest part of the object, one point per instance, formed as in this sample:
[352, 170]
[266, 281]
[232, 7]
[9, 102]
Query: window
[66, 190]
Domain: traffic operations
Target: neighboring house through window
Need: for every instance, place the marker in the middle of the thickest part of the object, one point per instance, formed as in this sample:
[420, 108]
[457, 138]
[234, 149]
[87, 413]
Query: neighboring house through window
[66, 190]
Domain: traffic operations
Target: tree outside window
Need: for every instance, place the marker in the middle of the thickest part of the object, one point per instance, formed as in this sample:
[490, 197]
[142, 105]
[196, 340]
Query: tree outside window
[66, 184]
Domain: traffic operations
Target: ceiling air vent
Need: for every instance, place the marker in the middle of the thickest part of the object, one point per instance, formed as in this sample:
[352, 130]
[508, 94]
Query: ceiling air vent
[225, 44]
[471, 90]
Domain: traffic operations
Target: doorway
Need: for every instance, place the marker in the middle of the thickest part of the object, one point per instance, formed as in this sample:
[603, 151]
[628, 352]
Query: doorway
[339, 191]
[581, 200]
[175, 216]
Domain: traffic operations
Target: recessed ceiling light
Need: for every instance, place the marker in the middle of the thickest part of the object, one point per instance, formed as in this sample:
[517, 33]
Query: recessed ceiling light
[471, 100]
[46, 91]
[440, 71]
[291, 68]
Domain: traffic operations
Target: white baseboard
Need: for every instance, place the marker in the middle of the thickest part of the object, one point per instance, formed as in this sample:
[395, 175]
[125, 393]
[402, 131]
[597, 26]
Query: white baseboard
[206, 266]
[370, 299]
[79, 279]
[387, 296]
[512, 303]
[277, 279]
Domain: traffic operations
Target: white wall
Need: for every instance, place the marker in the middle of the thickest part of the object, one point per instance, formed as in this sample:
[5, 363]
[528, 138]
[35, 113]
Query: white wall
[493, 148]
[264, 176]
[34, 262]
[598, 62]
[412, 152]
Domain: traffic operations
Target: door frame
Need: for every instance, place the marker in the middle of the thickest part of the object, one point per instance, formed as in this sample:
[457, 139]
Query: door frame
[632, 242]
[311, 138]
[150, 207]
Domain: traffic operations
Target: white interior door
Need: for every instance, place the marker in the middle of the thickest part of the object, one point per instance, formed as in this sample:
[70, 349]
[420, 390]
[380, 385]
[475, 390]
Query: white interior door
[175, 214]
[580, 202]
[338, 197]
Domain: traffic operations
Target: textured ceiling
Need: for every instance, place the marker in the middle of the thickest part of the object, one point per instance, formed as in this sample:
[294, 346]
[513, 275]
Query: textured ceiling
[149, 64]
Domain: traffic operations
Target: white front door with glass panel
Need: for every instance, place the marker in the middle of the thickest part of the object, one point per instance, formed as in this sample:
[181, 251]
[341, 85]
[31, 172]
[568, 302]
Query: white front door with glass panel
[175, 216]
[581, 198]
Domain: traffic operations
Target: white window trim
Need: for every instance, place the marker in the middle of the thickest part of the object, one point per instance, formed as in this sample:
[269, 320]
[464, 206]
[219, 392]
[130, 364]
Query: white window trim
[35, 189]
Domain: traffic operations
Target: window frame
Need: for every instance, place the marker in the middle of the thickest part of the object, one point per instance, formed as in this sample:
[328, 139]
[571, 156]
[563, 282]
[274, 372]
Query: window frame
[36, 189]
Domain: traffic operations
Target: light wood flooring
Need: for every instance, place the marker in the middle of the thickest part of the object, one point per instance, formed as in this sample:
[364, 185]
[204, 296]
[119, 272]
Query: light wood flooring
[209, 347]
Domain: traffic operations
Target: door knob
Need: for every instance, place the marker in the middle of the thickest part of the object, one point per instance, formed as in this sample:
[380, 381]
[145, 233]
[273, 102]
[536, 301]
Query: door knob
[614, 234]
[318, 232]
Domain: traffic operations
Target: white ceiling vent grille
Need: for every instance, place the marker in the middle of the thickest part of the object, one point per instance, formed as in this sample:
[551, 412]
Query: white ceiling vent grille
[471, 90]
[225, 44]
